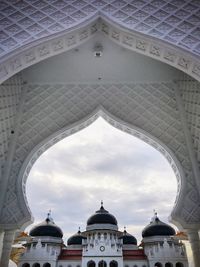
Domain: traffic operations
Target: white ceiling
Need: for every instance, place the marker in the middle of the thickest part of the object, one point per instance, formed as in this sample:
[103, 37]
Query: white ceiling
[117, 64]
[173, 21]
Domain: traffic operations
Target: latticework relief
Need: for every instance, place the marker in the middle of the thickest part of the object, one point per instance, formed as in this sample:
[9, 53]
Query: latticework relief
[175, 21]
[148, 106]
[10, 93]
[190, 91]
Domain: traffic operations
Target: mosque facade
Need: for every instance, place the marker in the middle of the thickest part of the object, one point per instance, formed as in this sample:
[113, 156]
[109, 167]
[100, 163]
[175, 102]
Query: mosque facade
[102, 244]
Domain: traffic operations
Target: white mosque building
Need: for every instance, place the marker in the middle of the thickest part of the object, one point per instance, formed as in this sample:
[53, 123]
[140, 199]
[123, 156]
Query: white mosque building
[103, 245]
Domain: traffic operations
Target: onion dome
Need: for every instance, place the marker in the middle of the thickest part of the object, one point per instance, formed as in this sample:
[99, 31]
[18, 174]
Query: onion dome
[47, 228]
[76, 239]
[157, 228]
[102, 216]
[128, 239]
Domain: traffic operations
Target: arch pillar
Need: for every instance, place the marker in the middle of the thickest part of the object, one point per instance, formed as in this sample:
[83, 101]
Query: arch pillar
[194, 240]
[1, 241]
[7, 239]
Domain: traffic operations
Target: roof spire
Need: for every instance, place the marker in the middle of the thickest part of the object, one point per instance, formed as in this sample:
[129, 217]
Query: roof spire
[101, 203]
[155, 217]
[79, 230]
[155, 212]
[49, 214]
[125, 230]
[49, 218]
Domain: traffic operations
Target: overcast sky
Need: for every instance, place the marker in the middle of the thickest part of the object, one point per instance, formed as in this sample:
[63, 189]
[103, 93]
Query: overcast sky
[101, 163]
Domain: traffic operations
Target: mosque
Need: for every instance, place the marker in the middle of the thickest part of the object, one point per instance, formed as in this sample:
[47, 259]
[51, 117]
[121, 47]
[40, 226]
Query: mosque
[102, 244]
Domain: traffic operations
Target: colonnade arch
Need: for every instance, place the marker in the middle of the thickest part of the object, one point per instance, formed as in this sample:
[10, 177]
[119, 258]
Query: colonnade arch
[91, 264]
[102, 263]
[179, 151]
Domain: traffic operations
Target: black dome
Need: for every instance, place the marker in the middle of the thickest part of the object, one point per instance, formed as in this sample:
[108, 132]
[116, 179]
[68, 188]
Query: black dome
[102, 216]
[76, 239]
[128, 239]
[46, 228]
[157, 228]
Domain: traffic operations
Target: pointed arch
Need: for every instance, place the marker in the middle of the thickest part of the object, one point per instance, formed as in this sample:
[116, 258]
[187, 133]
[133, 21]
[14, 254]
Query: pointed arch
[113, 263]
[115, 122]
[91, 263]
[102, 263]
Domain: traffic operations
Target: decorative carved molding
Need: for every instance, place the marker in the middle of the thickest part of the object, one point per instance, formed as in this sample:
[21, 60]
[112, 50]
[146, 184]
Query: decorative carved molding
[157, 49]
[175, 22]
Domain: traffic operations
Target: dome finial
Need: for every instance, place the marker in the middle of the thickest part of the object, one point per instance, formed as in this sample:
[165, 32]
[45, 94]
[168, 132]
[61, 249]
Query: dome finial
[49, 214]
[155, 212]
[155, 217]
[101, 203]
[125, 230]
[48, 219]
[79, 230]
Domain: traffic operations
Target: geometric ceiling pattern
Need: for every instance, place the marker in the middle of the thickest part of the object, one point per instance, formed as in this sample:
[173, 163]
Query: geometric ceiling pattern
[174, 21]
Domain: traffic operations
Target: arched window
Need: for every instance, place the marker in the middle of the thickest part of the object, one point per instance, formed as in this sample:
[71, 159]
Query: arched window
[36, 265]
[113, 264]
[179, 264]
[91, 264]
[102, 264]
[135, 265]
[47, 264]
[26, 265]
[158, 264]
[168, 264]
[144, 266]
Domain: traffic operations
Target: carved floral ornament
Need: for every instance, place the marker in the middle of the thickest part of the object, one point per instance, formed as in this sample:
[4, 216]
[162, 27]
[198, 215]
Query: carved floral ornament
[47, 47]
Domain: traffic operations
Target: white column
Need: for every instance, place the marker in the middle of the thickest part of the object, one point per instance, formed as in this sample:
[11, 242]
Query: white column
[6, 248]
[194, 239]
[1, 241]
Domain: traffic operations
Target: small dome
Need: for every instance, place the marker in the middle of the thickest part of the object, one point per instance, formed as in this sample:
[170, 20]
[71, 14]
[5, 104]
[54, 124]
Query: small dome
[102, 216]
[76, 239]
[157, 228]
[47, 228]
[128, 239]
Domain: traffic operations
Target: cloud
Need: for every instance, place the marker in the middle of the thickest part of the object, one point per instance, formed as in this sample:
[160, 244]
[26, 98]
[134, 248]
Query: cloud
[97, 163]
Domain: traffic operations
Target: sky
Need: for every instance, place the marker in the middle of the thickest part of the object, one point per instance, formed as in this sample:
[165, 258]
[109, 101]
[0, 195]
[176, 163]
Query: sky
[101, 163]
